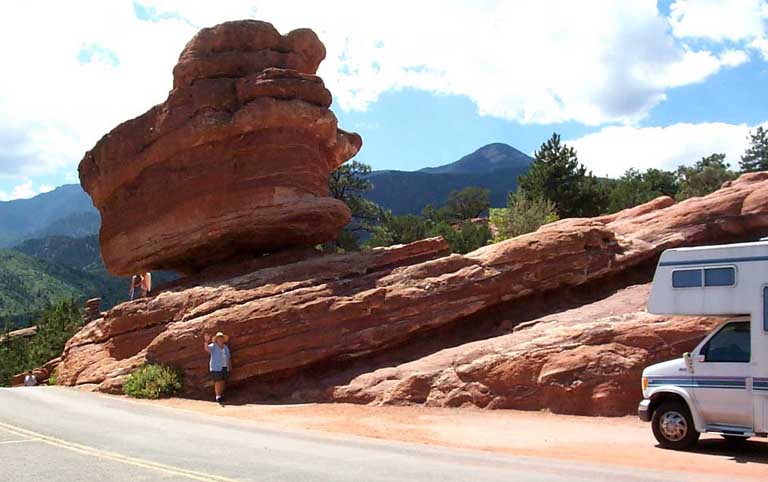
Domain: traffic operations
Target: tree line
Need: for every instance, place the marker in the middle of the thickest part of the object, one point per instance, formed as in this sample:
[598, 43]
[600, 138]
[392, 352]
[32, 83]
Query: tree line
[55, 325]
[556, 186]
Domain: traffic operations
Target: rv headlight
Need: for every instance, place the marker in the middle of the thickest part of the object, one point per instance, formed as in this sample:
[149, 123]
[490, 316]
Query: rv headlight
[645, 383]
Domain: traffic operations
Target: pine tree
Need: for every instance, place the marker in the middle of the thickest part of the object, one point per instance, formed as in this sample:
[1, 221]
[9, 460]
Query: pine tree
[348, 184]
[755, 158]
[704, 177]
[557, 175]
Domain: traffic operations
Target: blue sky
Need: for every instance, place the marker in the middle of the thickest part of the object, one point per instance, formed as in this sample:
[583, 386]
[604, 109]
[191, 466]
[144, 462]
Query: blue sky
[636, 83]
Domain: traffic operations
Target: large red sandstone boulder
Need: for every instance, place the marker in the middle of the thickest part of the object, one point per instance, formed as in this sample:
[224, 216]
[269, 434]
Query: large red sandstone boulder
[329, 309]
[234, 164]
[583, 361]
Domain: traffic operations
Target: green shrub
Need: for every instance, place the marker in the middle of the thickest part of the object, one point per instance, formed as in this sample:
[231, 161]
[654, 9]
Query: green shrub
[153, 381]
[54, 377]
[522, 215]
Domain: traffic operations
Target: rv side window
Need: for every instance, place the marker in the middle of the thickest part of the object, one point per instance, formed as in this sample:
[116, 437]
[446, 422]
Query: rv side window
[731, 344]
[686, 278]
[720, 276]
[765, 308]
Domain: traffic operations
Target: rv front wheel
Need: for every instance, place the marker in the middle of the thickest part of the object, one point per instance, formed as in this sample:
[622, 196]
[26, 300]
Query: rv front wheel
[673, 426]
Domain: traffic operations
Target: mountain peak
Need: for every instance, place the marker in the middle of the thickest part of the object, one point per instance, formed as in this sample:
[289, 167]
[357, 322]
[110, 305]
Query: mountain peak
[488, 158]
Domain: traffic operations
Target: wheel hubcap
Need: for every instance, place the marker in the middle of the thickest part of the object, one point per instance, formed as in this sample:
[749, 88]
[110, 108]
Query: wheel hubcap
[673, 426]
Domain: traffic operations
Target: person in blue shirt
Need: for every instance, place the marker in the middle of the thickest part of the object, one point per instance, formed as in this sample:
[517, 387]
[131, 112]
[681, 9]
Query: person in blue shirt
[220, 363]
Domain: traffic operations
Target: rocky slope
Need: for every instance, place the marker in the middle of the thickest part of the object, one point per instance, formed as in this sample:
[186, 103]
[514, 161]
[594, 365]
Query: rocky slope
[326, 311]
[583, 361]
[233, 164]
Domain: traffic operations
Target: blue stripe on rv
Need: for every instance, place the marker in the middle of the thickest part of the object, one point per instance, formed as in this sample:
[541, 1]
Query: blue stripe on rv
[700, 382]
[760, 384]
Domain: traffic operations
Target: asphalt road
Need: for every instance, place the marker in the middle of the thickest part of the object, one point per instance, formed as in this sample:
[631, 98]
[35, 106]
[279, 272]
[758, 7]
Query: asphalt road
[53, 434]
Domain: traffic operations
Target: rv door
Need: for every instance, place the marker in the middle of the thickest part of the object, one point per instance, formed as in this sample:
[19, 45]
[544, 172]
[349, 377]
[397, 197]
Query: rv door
[722, 373]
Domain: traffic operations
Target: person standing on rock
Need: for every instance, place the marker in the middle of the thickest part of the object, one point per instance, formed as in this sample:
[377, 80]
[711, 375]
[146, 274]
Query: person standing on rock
[135, 291]
[146, 283]
[220, 363]
[141, 284]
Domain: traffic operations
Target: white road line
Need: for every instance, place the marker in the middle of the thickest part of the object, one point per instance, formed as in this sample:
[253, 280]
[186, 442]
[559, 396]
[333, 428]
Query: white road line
[9, 442]
[113, 456]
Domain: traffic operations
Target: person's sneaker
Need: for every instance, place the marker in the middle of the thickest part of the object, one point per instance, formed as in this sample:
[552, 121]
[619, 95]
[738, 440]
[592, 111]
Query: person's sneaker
[220, 400]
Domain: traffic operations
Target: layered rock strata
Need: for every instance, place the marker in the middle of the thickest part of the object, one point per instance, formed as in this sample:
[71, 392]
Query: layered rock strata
[334, 308]
[235, 162]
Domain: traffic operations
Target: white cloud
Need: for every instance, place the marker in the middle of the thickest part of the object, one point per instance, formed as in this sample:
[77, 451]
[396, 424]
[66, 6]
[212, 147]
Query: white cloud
[97, 64]
[613, 150]
[55, 102]
[24, 190]
[535, 62]
[718, 19]
[722, 21]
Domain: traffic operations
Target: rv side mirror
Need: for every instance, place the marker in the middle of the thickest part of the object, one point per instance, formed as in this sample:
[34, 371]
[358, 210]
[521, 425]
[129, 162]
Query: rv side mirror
[688, 361]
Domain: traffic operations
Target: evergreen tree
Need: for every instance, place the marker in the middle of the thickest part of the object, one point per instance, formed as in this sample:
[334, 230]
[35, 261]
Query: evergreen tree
[469, 203]
[755, 158]
[55, 326]
[704, 177]
[348, 183]
[635, 187]
[557, 175]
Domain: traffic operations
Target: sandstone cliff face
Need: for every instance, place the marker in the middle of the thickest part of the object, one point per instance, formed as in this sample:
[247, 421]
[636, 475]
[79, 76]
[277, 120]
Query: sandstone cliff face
[233, 164]
[583, 361]
[330, 310]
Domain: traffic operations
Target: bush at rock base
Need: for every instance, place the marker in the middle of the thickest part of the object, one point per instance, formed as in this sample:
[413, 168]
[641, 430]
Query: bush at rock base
[154, 381]
[54, 376]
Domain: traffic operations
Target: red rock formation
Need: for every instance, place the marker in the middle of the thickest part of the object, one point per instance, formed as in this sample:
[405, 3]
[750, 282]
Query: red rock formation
[333, 308]
[235, 163]
[584, 361]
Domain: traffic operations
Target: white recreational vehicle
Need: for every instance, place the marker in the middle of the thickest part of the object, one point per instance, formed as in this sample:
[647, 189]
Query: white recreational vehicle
[722, 385]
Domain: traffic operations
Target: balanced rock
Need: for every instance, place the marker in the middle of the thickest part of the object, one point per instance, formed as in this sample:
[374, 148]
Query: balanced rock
[235, 162]
[328, 310]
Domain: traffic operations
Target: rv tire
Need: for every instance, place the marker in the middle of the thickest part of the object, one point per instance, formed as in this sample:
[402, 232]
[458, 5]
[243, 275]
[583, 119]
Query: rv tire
[673, 426]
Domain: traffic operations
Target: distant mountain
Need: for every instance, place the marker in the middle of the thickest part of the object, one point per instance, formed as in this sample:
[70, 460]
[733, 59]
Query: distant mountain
[75, 225]
[495, 167]
[39, 271]
[67, 210]
[80, 253]
[28, 284]
[489, 158]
